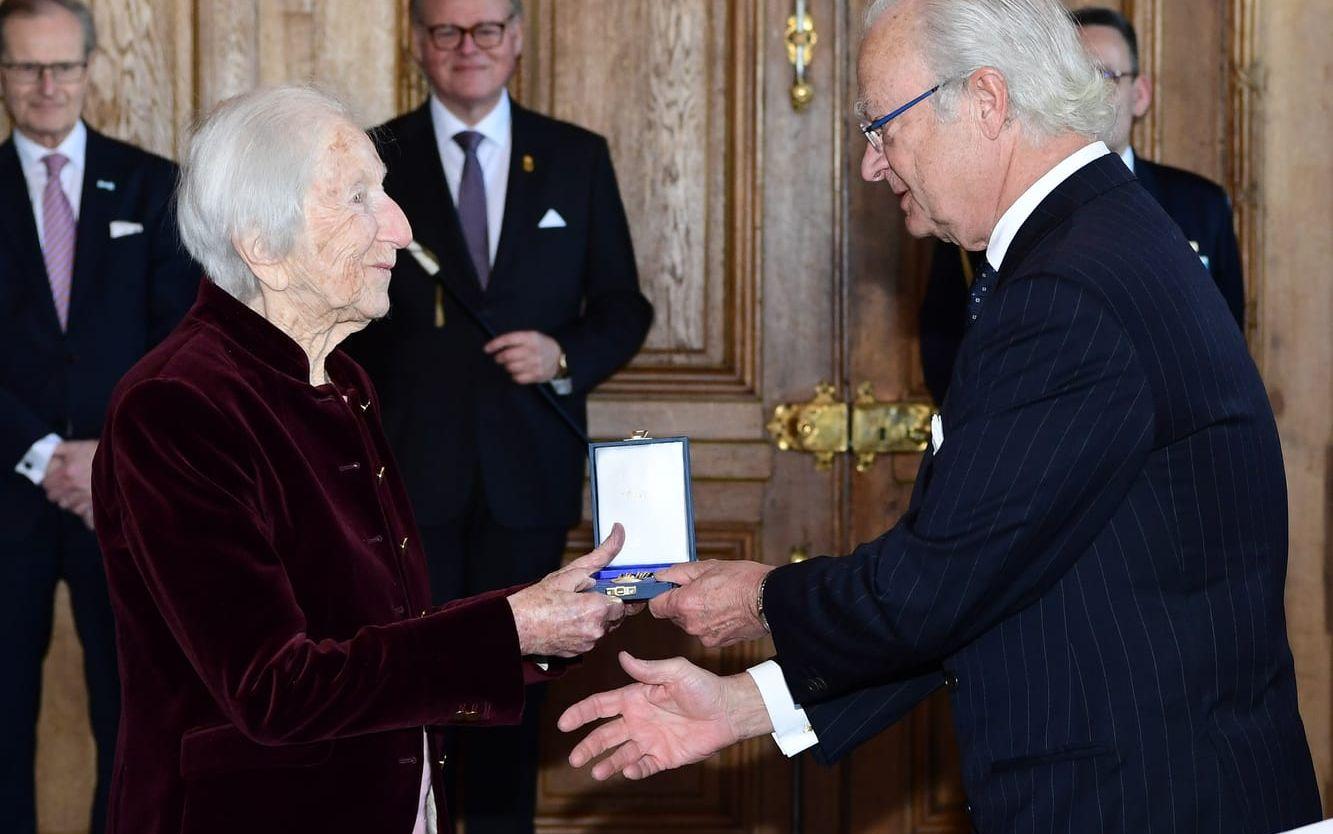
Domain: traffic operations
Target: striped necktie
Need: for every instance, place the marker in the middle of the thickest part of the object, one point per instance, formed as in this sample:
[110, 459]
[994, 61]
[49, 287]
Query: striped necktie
[58, 229]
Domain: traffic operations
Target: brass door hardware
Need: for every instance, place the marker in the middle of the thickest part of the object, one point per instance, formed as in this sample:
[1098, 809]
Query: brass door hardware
[801, 39]
[799, 554]
[824, 426]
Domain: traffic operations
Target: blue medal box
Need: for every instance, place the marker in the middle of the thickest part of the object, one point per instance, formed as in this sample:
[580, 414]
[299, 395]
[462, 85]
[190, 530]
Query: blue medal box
[644, 484]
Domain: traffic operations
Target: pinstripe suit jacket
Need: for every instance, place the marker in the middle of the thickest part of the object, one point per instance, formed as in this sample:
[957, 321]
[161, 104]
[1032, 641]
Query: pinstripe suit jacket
[1093, 561]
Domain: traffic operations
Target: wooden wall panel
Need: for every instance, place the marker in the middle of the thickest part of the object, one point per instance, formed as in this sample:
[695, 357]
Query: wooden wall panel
[674, 94]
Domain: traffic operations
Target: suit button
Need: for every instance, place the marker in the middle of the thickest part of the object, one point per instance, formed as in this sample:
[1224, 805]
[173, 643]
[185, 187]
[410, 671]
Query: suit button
[818, 685]
[950, 680]
[399, 610]
[442, 760]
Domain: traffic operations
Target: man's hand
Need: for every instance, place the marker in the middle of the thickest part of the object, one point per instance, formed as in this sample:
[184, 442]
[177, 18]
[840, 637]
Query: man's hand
[677, 714]
[527, 355]
[69, 478]
[717, 601]
[554, 619]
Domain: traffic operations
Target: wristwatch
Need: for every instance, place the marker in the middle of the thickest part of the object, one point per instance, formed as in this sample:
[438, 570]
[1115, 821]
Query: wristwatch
[561, 382]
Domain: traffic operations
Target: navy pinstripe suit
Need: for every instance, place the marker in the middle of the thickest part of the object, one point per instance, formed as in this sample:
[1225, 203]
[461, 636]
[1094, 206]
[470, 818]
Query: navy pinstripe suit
[1094, 560]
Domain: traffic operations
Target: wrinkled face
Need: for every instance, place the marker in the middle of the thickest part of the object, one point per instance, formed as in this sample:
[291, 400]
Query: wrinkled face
[353, 230]
[46, 110]
[1132, 94]
[467, 78]
[925, 161]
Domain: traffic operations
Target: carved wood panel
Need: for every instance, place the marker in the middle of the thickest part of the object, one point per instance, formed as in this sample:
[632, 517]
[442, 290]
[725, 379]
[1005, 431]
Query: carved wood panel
[673, 88]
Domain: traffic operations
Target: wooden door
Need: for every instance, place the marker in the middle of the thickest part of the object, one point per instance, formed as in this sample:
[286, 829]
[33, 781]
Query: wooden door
[771, 268]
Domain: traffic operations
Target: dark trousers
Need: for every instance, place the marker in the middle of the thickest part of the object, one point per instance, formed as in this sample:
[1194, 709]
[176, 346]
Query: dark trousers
[491, 772]
[59, 547]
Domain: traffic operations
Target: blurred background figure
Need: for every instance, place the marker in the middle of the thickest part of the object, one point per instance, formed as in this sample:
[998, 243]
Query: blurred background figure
[525, 216]
[1199, 206]
[92, 276]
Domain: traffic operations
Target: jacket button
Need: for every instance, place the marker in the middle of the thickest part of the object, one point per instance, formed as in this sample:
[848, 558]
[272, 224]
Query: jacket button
[950, 680]
[442, 760]
[818, 685]
[399, 610]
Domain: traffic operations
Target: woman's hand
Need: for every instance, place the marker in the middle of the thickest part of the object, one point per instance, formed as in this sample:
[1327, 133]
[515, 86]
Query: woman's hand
[555, 618]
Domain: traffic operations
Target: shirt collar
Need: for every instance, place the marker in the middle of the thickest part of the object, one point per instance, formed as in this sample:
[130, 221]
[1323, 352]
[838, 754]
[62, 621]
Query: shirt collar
[493, 126]
[1013, 218]
[74, 147]
[1128, 157]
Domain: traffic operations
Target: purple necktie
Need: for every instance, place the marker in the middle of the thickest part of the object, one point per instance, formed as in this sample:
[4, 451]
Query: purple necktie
[472, 206]
[58, 227]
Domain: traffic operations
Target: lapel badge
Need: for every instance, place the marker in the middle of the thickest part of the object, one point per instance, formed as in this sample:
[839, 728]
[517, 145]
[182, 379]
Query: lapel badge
[528, 165]
[106, 185]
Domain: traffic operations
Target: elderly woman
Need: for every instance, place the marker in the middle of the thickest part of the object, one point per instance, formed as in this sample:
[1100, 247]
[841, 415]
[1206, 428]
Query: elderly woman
[279, 654]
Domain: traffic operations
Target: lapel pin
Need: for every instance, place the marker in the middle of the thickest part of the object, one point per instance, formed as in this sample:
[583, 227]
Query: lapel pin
[106, 185]
[528, 165]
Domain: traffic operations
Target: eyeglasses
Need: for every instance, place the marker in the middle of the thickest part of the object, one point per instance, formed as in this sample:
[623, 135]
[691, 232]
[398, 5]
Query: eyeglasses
[1113, 76]
[874, 131]
[487, 35]
[62, 72]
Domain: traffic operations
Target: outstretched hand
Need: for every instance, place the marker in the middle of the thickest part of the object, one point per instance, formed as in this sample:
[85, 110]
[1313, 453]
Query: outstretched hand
[676, 714]
[717, 601]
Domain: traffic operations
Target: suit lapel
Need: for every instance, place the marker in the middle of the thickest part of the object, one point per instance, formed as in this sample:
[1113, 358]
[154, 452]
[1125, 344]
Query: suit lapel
[424, 193]
[97, 209]
[1088, 182]
[18, 234]
[523, 195]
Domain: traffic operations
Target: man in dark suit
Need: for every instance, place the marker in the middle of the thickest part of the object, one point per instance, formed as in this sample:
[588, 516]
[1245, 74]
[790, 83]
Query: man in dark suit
[91, 276]
[525, 217]
[1093, 560]
[1199, 206]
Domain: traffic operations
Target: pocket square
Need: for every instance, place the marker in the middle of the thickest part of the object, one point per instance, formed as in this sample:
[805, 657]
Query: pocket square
[121, 228]
[551, 220]
[936, 433]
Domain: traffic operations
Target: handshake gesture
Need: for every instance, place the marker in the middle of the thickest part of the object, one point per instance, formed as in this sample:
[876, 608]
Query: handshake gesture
[676, 713]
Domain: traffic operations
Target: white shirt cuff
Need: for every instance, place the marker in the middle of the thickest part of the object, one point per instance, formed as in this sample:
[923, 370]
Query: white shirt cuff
[791, 729]
[34, 463]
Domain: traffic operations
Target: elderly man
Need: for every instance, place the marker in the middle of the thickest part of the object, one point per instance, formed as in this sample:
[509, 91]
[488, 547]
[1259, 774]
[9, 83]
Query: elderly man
[525, 216]
[279, 649]
[91, 275]
[1200, 207]
[1093, 560]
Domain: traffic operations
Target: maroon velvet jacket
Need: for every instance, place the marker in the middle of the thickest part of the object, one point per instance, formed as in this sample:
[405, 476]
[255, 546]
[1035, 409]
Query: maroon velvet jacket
[278, 651]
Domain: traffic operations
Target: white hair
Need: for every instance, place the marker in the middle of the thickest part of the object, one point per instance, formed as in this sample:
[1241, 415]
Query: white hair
[245, 176]
[1054, 87]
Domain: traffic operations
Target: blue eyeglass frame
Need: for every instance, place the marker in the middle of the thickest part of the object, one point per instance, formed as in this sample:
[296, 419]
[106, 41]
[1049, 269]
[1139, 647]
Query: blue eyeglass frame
[877, 124]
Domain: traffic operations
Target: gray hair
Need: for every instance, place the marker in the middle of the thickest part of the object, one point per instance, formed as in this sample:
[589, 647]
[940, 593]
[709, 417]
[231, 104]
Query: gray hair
[31, 8]
[418, 14]
[1054, 87]
[245, 175]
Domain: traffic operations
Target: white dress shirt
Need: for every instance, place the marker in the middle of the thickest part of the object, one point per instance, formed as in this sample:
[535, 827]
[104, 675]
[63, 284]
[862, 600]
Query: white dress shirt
[35, 461]
[1128, 157]
[791, 728]
[493, 153]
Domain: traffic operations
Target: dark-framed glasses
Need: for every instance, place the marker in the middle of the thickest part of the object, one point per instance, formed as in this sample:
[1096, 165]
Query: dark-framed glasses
[874, 131]
[486, 35]
[28, 72]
